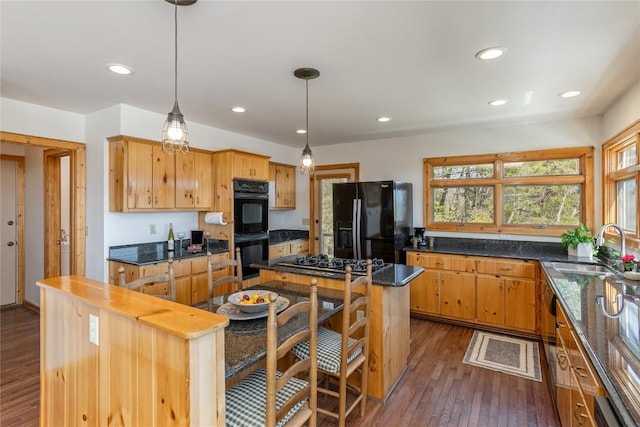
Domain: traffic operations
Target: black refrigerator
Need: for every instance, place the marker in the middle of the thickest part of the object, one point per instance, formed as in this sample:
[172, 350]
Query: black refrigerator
[372, 219]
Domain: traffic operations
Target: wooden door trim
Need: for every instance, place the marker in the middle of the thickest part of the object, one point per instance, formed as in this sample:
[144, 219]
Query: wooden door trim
[77, 164]
[312, 190]
[52, 207]
[20, 162]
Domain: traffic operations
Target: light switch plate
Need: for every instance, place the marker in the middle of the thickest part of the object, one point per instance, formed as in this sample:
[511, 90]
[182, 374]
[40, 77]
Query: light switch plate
[94, 329]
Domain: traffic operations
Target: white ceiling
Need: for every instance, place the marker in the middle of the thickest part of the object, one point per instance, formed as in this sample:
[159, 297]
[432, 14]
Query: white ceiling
[413, 61]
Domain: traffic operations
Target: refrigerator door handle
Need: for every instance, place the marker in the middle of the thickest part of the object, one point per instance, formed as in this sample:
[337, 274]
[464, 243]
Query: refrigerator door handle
[354, 228]
[358, 226]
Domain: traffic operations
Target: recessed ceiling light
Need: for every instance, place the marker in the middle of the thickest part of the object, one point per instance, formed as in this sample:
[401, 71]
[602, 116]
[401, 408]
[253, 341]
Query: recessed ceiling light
[120, 69]
[301, 131]
[491, 53]
[498, 102]
[569, 94]
[383, 119]
[238, 109]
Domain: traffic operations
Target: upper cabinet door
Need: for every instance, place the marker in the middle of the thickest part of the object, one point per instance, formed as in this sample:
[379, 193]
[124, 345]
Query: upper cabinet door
[164, 178]
[185, 172]
[140, 175]
[203, 181]
[284, 177]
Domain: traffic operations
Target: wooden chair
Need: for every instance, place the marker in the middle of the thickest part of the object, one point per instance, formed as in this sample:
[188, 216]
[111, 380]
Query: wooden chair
[268, 397]
[342, 354]
[143, 282]
[234, 263]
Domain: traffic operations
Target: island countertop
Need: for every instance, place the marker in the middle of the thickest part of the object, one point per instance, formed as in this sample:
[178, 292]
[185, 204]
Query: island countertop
[394, 275]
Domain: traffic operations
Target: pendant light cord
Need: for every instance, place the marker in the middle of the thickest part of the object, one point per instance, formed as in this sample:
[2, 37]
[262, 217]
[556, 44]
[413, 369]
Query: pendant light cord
[307, 104]
[175, 49]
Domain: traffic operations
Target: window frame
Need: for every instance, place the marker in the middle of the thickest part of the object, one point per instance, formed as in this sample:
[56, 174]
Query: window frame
[584, 179]
[611, 175]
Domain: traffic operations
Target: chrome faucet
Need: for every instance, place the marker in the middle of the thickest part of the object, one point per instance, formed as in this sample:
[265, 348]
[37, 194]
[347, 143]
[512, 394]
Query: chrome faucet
[623, 243]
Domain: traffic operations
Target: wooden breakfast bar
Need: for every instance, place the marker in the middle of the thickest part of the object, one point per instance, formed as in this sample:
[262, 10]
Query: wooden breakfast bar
[110, 356]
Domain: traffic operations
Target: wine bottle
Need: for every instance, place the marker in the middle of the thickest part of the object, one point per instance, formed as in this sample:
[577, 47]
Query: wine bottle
[170, 239]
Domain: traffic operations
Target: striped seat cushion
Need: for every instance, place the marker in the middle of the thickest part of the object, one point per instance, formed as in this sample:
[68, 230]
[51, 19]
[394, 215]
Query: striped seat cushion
[247, 400]
[329, 348]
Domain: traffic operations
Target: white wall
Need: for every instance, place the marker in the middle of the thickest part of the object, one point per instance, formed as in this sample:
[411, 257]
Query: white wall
[399, 158]
[402, 158]
[622, 113]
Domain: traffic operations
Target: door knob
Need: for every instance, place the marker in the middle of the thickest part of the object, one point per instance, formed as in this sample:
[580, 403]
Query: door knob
[10, 222]
[10, 244]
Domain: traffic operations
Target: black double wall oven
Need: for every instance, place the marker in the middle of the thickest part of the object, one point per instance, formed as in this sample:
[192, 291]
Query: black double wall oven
[251, 223]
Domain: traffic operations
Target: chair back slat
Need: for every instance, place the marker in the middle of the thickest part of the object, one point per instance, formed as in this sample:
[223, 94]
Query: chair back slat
[306, 414]
[235, 277]
[141, 283]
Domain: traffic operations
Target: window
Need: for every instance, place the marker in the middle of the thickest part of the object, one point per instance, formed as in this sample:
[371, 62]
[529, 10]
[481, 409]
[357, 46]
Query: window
[620, 185]
[541, 192]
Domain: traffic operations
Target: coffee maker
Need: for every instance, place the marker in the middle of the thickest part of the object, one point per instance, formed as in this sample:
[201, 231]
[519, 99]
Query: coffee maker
[418, 233]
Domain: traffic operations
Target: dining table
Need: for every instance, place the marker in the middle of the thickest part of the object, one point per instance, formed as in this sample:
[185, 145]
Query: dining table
[245, 338]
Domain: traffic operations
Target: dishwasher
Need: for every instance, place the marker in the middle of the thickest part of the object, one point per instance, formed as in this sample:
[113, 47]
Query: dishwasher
[548, 332]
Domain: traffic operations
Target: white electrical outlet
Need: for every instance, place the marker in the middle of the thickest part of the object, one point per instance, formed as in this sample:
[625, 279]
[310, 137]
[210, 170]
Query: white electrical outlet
[305, 221]
[327, 305]
[94, 329]
[152, 229]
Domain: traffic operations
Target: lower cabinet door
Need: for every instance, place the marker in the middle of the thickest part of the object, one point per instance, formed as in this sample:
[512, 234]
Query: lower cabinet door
[490, 296]
[458, 295]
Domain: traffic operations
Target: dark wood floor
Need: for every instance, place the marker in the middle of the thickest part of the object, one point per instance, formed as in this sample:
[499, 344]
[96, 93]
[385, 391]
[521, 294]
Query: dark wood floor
[436, 390]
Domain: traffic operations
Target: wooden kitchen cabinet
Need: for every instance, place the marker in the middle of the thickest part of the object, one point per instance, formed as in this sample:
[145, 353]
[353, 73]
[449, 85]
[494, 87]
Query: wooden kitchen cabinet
[284, 179]
[506, 293]
[200, 280]
[141, 177]
[297, 247]
[578, 381]
[230, 164]
[190, 275]
[446, 288]
[194, 180]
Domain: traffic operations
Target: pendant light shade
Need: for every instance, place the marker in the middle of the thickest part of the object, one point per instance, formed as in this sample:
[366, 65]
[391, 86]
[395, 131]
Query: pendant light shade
[307, 163]
[175, 136]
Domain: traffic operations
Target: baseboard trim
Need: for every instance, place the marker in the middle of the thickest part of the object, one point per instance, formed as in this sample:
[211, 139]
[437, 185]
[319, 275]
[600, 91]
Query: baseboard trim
[31, 306]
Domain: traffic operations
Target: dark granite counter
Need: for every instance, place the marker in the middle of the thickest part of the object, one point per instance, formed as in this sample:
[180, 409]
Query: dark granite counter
[151, 253]
[394, 275]
[612, 344]
[281, 236]
[245, 341]
[519, 249]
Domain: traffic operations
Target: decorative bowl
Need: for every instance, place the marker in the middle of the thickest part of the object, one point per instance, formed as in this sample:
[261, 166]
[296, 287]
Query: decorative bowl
[246, 301]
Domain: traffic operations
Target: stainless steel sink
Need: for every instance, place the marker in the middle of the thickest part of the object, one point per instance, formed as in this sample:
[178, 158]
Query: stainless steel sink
[584, 269]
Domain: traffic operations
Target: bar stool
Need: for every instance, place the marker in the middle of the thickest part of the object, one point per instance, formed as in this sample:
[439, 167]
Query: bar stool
[268, 397]
[222, 265]
[141, 284]
[342, 354]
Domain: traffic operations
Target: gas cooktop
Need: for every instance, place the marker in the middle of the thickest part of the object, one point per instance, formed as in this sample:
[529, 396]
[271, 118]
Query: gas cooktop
[324, 263]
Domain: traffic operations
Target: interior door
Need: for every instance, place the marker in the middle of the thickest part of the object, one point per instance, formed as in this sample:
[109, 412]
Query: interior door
[321, 203]
[9, 233]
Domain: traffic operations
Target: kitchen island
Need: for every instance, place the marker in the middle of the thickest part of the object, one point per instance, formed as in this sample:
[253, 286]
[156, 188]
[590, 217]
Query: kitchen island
[389, 321]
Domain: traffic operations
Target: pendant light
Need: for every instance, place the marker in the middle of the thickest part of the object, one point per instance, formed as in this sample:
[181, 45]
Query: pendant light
[174, 133]
[307, 163]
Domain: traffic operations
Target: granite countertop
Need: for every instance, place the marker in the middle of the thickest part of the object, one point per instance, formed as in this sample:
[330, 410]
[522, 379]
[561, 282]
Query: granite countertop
[517, 249]
[612, 344]
[155, 252]
[281, 236]
[393, 275]
[245, 340]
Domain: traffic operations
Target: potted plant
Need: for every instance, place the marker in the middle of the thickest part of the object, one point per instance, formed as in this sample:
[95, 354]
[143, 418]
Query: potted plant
[578, 241]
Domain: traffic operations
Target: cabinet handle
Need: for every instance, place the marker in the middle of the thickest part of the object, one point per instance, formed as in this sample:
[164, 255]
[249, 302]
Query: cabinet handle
[149, 201]
[197, 200]
[581, 416]
[156, 200]
[561, 324]
[439, 263]
[562, 359]
[580, 370]
[442, 280]
[505, 269]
